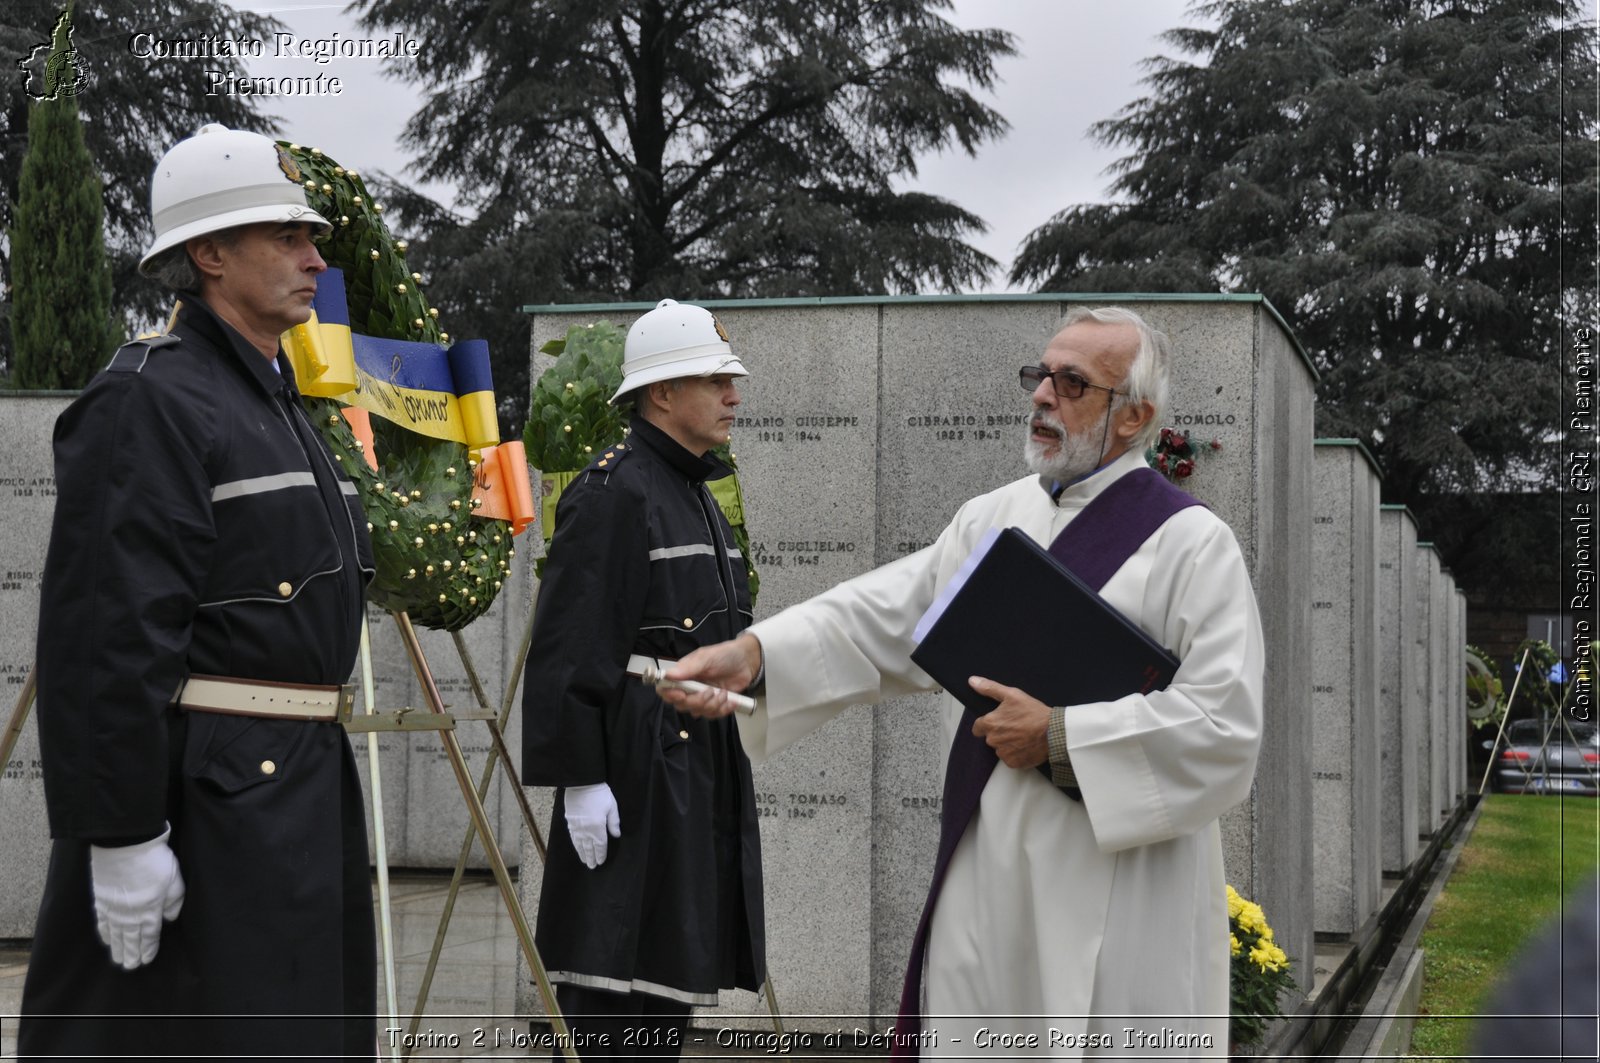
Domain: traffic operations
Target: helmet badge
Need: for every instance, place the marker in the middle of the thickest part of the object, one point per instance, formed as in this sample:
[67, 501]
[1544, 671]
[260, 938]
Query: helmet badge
[722, 332]
[290, 168]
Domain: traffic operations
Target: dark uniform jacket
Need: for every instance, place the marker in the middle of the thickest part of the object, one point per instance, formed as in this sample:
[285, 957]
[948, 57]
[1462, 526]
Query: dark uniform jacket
[643, 562]
[201, 527]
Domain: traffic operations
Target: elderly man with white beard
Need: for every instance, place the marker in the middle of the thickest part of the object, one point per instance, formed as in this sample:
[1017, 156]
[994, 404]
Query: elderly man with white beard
[1077, 908]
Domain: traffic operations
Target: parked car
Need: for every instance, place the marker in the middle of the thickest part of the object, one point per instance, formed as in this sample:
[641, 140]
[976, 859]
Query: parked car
[1570, 763]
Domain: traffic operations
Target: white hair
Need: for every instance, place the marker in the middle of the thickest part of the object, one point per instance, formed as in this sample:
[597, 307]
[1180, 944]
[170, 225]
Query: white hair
[1147, 376]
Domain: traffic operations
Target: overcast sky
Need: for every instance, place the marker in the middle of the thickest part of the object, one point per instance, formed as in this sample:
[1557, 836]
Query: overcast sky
[1078, 61]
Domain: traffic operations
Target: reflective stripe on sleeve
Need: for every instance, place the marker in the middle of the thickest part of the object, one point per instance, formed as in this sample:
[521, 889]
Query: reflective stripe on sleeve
[682, 551]
[261, 484]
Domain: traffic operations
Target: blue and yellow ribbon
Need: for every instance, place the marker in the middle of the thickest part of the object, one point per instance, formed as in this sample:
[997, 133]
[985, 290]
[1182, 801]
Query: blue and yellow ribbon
[444, 393]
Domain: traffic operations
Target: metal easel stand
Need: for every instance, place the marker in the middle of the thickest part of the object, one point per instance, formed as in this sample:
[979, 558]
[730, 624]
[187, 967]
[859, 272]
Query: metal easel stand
[1494, 750]
[1543, 760]
[380, 840]
[496, 729]
[19, 717]
[437, 719]
[1560, 719]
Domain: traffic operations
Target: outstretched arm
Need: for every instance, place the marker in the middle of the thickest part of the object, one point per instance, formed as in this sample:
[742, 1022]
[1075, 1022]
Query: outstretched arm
[725, 666]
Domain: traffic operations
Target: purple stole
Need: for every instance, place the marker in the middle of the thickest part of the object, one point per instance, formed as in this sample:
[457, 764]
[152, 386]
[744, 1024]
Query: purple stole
[1098, 542]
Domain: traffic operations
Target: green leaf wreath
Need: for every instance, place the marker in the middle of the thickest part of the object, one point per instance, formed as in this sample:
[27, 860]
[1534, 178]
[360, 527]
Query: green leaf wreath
[437, 560]
[570, 417]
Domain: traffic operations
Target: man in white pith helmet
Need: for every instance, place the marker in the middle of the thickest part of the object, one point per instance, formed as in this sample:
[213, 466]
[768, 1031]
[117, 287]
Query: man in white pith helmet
[201, 602]
[652, 891]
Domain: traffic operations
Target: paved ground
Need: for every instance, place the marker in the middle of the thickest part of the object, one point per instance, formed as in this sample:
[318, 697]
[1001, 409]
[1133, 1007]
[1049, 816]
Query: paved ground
[474, 989]
[471, 1008]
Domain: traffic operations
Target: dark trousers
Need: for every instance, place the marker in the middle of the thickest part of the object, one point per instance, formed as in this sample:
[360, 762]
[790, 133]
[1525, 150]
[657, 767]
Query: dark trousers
[614, 1026]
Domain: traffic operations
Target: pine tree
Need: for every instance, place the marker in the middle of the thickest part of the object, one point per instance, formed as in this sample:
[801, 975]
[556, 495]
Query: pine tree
[1412, 183]
[642, 149]
[61, 285]
[133, 108]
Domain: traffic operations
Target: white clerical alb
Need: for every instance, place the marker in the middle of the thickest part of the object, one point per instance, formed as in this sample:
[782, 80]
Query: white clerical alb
[1064, 929]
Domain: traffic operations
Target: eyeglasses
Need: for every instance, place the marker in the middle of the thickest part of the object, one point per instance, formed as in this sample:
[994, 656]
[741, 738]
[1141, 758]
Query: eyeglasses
[1068, 383]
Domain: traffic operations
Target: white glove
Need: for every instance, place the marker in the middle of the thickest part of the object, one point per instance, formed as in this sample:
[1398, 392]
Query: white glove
[591, 814]
[135, 887]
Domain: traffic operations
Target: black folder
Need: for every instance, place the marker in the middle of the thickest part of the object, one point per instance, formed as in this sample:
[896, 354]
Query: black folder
[1023, 620]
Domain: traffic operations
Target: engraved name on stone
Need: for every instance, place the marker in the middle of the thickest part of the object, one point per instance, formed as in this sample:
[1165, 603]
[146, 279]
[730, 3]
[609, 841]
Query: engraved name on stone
[796, 553]
[964, 427]
[1181, 420]
[28, 486]
[19, 580]
[793, 428]
[791, 805]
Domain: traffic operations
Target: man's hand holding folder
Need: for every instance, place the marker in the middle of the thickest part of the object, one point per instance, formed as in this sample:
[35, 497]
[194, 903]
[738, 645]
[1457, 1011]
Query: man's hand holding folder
[988, 623]
[1017, 729]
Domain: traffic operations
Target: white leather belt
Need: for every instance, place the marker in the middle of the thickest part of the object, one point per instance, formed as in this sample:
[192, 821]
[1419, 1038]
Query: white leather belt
[650, 668]
[257, 697]
[637, 663]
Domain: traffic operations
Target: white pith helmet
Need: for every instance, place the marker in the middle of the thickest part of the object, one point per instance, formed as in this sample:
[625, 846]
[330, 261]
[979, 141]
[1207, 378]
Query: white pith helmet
[676, 340]
[220, 178]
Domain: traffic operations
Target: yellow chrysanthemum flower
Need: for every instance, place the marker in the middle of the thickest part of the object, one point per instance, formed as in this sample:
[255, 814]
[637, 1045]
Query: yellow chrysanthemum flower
[1233, 945]
[1251, 917]
[1235, 903]
[1262, 958]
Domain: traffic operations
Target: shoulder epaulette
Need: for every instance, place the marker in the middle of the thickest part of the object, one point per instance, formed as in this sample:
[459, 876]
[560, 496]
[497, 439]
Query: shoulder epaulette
[610, 458]
[131, 356]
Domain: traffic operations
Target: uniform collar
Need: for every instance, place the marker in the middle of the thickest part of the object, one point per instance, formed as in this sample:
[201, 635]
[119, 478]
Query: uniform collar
[695, 467]
[206, 323]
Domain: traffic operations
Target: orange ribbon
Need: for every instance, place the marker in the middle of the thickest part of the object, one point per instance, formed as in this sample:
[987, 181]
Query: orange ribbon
[361, 424]
[502, 488]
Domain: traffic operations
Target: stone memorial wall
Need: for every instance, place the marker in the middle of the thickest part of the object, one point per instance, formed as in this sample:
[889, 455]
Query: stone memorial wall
[865, 424]
[27, 491]
[1442, 626]
[1344, 693]
[1422, 647]
[1400, 707]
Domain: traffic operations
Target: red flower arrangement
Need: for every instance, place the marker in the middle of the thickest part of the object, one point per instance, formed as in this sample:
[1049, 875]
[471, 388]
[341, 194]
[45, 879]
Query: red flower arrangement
[1174, 454]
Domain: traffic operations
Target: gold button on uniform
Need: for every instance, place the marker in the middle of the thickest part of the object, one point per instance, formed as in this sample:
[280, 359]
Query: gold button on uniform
[268, 767]
[285, 589]
[688, 622]
[683, 734]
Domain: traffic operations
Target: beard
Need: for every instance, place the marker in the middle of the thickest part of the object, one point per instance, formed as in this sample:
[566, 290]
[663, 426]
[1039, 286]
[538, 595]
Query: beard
[1076, 454]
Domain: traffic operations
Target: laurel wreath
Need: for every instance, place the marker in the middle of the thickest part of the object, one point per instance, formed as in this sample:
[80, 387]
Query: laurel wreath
[437, 560]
